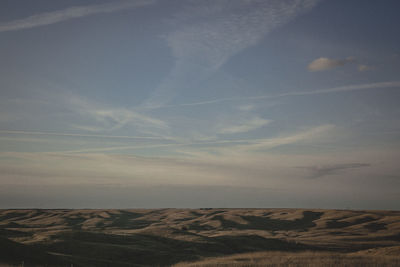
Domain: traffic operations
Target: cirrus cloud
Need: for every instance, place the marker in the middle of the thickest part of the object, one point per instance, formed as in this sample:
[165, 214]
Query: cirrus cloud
[332, 169]
[48, 18]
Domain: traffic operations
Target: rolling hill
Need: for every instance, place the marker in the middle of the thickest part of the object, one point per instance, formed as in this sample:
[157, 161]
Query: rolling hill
[199, 237]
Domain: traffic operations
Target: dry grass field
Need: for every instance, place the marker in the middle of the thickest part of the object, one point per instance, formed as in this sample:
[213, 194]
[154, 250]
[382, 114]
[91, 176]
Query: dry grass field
[292, 259]
[199, 237]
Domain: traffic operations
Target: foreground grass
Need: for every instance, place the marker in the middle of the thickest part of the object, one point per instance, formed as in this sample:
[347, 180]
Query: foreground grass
[309, 259]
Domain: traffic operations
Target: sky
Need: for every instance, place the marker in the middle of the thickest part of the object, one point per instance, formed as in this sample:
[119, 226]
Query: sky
[200, 103]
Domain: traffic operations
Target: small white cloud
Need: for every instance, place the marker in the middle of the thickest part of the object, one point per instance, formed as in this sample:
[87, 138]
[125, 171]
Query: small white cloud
[324, 63]
[246, 107]
[363, 67]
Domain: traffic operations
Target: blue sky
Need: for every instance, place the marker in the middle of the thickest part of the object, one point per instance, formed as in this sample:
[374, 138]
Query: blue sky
[183, 103]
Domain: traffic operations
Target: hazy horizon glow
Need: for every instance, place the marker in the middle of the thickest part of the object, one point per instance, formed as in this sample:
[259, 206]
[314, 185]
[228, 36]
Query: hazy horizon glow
[225, 103]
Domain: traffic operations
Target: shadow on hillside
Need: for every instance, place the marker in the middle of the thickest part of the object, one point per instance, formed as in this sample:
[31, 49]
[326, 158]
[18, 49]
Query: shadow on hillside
[264, 223]
[337, 223]
[15, 253]
[82, 248]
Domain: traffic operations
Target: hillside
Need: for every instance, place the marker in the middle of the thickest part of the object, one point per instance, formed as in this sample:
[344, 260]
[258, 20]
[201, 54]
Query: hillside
[205, 236]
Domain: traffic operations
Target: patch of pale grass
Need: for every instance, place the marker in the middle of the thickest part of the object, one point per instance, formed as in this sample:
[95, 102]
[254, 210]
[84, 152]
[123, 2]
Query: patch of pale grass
[309, 259]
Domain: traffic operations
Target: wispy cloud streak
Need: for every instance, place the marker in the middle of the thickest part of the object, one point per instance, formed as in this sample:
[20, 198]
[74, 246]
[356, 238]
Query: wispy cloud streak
[111, 118]
[245, 126]
[237, 145]
[82, 135]
[325, 170]
[347, 88]
[70, 13]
